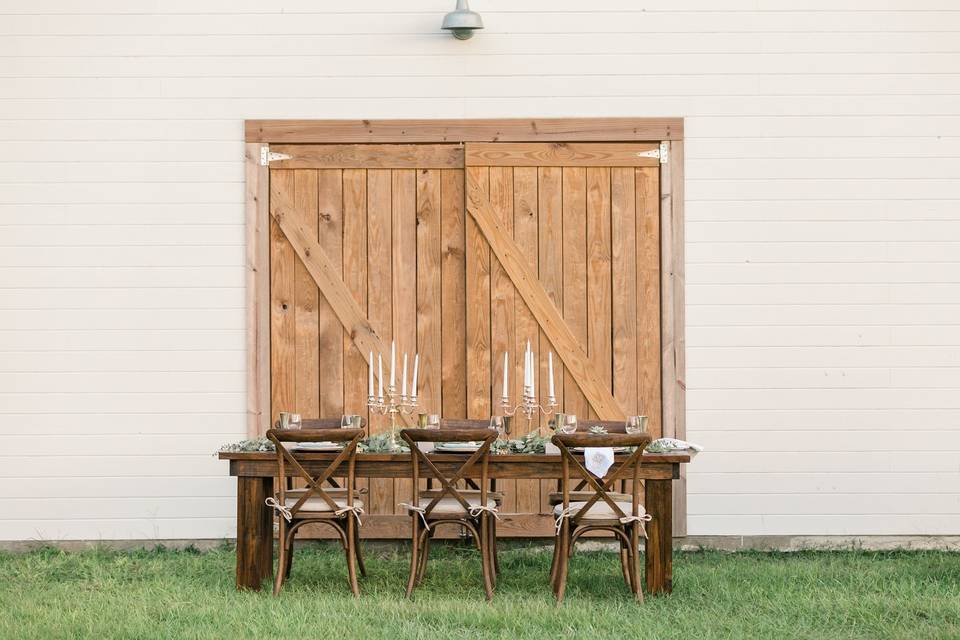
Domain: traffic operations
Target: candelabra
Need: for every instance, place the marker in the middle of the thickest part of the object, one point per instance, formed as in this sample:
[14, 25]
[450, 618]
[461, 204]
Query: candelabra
[392, 405]
[528, 406]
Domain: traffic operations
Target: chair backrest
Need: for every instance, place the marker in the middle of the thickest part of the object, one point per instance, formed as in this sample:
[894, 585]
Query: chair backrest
[463, 423]
[314, 483]
[484, 435]
[602, 487]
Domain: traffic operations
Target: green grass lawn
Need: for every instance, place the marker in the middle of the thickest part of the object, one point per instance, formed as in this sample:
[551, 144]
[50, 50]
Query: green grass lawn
[184, 594]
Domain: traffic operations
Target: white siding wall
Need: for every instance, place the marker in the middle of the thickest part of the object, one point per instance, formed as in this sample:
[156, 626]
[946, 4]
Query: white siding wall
[823, 231]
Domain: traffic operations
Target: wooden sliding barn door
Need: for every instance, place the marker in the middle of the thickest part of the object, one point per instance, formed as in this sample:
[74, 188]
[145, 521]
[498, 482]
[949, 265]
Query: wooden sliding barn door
[463, 253]
[389, 219]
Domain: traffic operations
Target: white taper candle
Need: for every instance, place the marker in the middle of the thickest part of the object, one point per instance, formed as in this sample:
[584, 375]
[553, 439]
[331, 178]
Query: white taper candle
[550, 373]
[416, 370]
[370, 385]
[393, 364]
[380, 374]
[505, 375]
[403, 390]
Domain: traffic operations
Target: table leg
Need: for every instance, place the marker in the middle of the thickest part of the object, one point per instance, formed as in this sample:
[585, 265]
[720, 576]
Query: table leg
[254, 532]
[659, 547]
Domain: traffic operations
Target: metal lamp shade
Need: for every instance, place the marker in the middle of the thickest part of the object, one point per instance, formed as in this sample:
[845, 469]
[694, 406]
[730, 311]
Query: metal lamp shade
[462, 22]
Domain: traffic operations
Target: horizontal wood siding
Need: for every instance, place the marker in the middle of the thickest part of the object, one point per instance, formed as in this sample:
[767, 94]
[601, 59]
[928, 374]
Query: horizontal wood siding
[822, 145]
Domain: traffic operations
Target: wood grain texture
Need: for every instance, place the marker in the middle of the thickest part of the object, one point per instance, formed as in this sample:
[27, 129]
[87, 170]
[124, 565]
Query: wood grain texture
[254, 532]
[429, 342]
[453, 294]
[624, 286]
[525, 234]
[282, 320]
[404, 257]
[478, 303]
[257, 281]
[599, 278]
[659, 548]
[648, 296]
[503, 334]
[306, 300]
[380, 301]
[369, 156]
[330, 331]
[560, 154]
[575, 284]
[550, 262]
[676, 386]
[489, 130]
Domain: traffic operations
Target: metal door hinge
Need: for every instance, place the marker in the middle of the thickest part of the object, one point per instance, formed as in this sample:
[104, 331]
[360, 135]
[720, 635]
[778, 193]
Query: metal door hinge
[267, 156]
[663, 153]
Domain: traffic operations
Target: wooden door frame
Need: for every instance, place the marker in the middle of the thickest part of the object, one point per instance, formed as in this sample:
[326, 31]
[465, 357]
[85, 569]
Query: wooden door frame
[259, 134]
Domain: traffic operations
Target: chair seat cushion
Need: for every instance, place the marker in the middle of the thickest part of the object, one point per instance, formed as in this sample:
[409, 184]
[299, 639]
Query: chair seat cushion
[448, 506]
[316, 504]
[556, 497]
[599, 511]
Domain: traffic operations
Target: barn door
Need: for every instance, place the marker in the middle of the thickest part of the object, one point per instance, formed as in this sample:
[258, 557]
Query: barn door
[463, 253]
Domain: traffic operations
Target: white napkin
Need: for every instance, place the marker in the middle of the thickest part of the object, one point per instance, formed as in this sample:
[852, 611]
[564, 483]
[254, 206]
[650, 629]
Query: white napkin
[598, 459]
[663, 445]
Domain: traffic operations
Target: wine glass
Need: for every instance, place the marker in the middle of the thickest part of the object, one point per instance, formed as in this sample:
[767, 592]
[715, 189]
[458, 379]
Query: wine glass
[496, 422]
[636, 424]
[433, 421]
[295, 421]
[350, 421]
[569, 424]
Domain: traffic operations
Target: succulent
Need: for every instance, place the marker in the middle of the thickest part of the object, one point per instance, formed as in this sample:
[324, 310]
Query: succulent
[257, 444]
[598, 430]
[383, 443]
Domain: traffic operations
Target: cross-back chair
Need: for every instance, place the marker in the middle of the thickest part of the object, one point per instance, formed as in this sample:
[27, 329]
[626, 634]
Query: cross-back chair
[335, 489]
[578, 493]
[337, 507]
[450, 504]
[604, 510]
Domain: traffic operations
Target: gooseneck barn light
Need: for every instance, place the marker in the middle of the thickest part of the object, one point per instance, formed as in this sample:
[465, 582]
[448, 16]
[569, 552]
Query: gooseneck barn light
[462, 22]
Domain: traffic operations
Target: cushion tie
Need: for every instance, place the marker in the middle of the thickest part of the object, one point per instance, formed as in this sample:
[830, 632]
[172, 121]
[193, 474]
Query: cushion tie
[638, 519]
[566, 513]
[422, 512]
[356, 510]
[284, 511]
[480, 508]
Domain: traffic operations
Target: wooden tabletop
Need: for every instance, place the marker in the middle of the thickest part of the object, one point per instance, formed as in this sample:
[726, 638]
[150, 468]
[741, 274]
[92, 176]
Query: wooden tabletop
[678, 457]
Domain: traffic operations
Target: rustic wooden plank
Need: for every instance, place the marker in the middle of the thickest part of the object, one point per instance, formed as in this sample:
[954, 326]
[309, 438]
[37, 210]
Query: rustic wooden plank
[453, 322]
[380, 300]
[525, 233]
[330, 330]
[648, 296]
[561, 154]
[575, 280]
[624, 278]
[478, 306]
[282, 328]
[673, 280]
[550, 258]
[486, 130]
[369, 156]
[537, 299]
[503, 336]
[306, 314]
[404, 256]
[355, 279]
[257, 275]
[429, 289]
[599, 282]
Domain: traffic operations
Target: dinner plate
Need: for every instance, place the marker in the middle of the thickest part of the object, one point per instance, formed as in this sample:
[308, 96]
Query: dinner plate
[615, 449]
[457, 446]
[318, 446]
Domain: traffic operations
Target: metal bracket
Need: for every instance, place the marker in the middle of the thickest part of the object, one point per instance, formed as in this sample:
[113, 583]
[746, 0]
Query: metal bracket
[663, 153]
[267, 156]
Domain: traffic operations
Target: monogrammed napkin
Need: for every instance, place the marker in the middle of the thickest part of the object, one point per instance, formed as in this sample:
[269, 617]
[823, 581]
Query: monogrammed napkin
[598, 460]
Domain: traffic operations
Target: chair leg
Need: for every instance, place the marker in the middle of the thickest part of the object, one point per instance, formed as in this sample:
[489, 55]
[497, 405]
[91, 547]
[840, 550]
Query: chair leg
[289, 564]
[357, 551]
[282, 560]
[424, 555]
[483, 533]
[415, 544]
[555, 564]
[625, 564]
[635, 552]
[493, 545]
[564, 560]
[350, 539]
[490, 549]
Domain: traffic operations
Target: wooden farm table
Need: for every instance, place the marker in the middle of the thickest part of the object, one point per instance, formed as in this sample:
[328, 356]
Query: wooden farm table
[256, 471]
